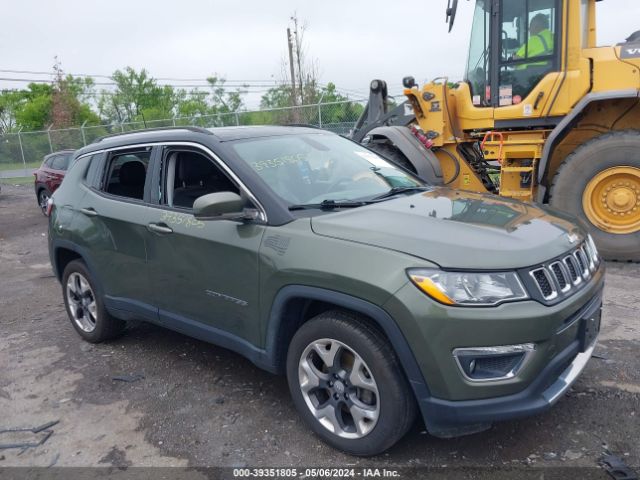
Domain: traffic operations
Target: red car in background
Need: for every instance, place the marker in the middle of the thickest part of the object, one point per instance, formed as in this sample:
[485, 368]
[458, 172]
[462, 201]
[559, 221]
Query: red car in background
[50, 175]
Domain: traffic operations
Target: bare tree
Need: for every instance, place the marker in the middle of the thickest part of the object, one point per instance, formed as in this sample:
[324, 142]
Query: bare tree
[299, 72]
[62, 104]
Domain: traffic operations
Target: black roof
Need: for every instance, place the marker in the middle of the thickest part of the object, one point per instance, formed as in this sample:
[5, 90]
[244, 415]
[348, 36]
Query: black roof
[225, 134]
[187, 133]
[222, 134]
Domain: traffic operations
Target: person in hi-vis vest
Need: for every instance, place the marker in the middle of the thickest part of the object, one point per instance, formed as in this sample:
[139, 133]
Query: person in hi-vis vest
[540, 41]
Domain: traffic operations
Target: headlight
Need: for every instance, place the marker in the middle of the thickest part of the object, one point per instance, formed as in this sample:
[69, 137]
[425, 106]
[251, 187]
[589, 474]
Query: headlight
[468, 288]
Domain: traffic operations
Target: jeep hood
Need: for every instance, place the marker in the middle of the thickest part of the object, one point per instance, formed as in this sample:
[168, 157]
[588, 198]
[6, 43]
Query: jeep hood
[455, 229]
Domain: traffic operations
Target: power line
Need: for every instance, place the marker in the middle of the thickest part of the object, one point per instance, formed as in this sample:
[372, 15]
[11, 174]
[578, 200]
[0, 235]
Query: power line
[110, 77]
[253, 89]
[224, 86]
[112, 93]
[271, 83]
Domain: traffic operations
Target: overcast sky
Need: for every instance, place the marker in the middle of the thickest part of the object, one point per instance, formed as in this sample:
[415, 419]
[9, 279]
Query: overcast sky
[352, 42]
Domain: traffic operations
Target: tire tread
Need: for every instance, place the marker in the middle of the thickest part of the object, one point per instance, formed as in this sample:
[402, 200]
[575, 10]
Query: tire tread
[572, 165]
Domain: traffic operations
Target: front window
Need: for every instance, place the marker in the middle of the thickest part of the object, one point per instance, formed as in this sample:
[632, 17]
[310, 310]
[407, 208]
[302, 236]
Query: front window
[189, 175]
[477, 74]
[528, 47]
[312, 168]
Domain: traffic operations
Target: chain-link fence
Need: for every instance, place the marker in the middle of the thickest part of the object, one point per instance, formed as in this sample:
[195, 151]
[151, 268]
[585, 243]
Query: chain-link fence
[24, 150]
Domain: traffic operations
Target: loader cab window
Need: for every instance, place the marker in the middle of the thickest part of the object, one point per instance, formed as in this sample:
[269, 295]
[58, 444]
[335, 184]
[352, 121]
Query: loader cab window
[523, 39]
[585, 20]
[528, 47]
[478, 73]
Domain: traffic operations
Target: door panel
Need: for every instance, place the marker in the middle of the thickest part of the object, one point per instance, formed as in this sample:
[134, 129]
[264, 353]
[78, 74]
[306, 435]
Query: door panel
[206, 272]
[114, 232]
[113, 229]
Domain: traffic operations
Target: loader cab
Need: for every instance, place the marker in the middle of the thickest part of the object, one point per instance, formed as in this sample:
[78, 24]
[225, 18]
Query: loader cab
[514, 44]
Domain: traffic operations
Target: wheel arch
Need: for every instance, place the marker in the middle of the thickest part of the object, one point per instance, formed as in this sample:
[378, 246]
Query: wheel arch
[423, 160]
[64, 252]
[577, 128]
[295, 304]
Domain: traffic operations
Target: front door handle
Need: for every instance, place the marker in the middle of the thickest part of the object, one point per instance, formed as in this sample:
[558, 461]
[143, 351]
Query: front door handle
[159, 228]
[89, 212]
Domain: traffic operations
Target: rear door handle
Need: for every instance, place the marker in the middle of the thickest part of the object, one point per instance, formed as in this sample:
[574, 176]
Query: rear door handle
[159, 228]
[89, 212]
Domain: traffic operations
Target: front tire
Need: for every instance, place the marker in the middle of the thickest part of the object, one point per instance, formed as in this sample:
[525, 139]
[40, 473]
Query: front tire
[600, 183]
[85, 307]
[347, 384]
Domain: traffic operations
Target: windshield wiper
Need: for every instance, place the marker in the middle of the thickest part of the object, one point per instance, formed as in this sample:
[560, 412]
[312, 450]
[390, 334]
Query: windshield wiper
[328, 205]
[398, 190]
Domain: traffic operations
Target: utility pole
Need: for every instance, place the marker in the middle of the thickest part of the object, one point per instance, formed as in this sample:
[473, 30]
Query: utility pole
[294, 96]
[298, 56]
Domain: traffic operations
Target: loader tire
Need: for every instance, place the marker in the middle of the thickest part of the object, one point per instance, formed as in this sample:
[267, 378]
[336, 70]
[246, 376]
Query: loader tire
[393, 154]
[600, 183]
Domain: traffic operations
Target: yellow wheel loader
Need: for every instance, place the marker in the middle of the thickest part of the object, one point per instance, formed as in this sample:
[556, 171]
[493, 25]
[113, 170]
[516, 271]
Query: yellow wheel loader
[542, 115]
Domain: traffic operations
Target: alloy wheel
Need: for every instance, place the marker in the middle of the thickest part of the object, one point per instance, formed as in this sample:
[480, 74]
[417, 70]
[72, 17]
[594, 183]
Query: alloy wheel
[338, 388]
[43, 199]
[82, 302]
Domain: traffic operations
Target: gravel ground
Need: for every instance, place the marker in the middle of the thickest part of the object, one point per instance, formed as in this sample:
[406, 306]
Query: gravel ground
[196, 405]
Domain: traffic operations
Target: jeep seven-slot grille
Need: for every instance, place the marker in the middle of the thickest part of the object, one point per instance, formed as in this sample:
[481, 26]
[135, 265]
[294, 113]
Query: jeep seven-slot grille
[562, 277]
[544, 282]
[558, 273]
[581, 260]
[571, 267]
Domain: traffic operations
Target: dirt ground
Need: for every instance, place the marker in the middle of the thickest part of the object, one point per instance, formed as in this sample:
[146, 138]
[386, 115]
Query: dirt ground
[194, 404]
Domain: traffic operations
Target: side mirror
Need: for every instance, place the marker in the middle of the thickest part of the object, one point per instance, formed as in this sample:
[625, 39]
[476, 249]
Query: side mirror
[222, 206]
[452, 8]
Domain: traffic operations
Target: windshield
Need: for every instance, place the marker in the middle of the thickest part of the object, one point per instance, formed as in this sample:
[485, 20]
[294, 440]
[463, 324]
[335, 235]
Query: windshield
[312, 168]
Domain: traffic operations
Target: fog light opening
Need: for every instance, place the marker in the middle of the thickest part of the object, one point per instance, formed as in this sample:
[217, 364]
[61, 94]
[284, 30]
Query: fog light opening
[480, 364]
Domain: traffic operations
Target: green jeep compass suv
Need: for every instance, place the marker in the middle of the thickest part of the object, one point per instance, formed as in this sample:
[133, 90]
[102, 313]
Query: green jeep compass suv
[380, 297]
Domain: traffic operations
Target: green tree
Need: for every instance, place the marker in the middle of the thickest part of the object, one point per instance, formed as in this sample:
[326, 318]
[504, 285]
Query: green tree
[280, 97]
[35, 110]
[192, 103]
[277, 97]
[223, 100]
[10, 103]
[137, 97]
[36, 107]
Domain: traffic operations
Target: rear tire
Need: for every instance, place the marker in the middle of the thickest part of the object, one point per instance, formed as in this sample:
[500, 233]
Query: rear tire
[85, 307]
[347, 384]
[43, 198]
[581, 183]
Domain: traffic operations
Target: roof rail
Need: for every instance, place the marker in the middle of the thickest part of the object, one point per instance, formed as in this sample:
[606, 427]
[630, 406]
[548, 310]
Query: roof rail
[157, 129]
[308, 125]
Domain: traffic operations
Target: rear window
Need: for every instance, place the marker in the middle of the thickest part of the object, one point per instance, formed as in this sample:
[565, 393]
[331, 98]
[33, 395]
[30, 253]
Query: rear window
[126, 174]
[61, 162]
